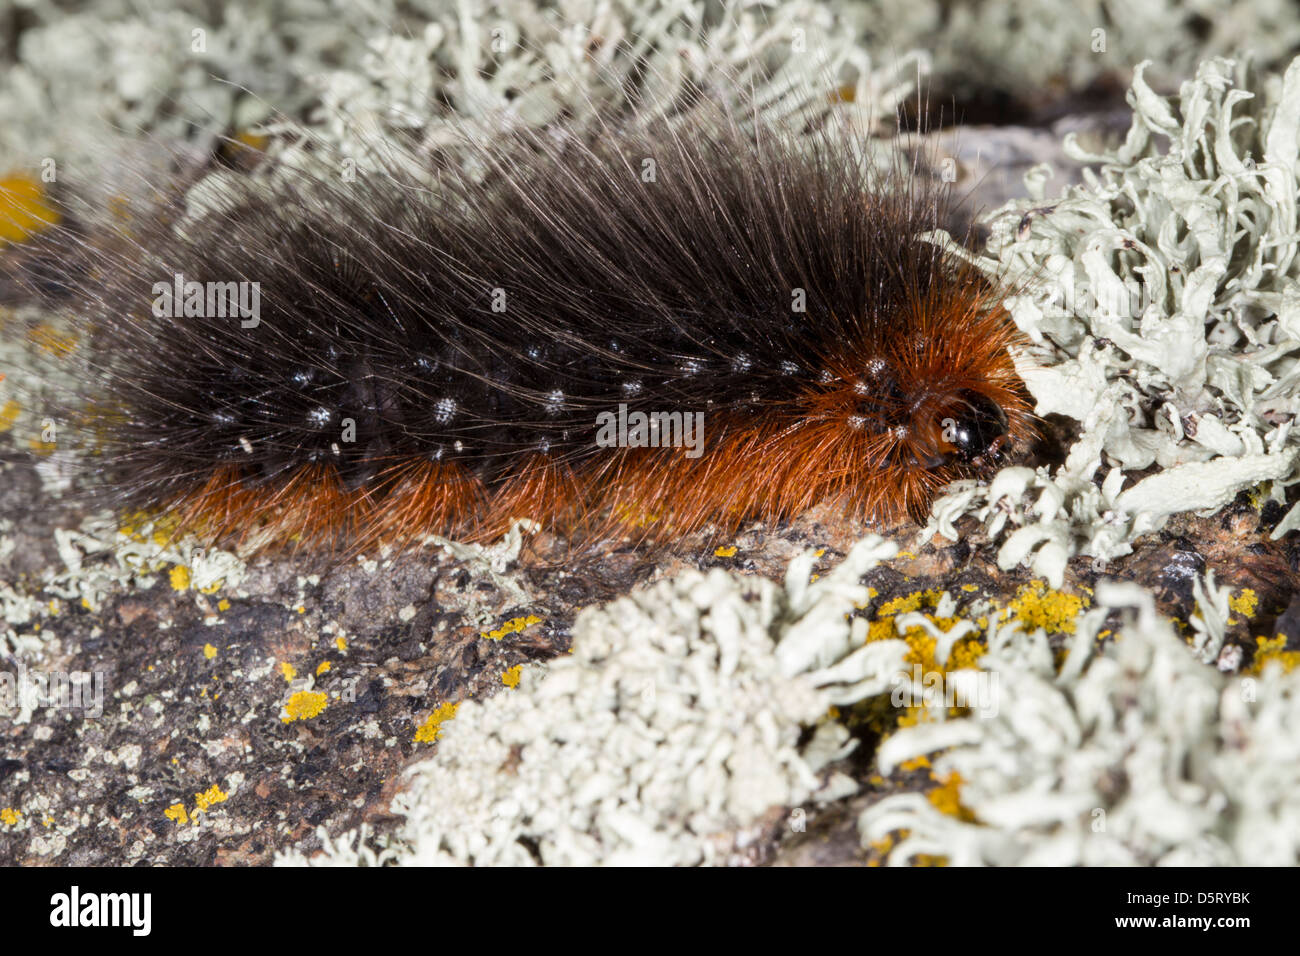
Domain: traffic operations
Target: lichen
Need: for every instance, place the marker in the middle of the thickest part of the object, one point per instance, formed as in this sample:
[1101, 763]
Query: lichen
[673, 726]
[1135, 755]
[430, 729]
[1246, 603]
[946, 798]
[472, 71]
[512, 626]
[941, 639]
[304, 705]
[210, 797]
[1160, 299]
[1036, 605]
[1036, 48]
[1274, 649]
[24, 209]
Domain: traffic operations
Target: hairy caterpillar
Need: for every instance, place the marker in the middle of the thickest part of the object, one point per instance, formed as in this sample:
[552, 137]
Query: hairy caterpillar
[669, 329]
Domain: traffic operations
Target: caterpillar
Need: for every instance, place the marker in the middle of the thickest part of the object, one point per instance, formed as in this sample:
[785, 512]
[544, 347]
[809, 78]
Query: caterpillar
[667, 329]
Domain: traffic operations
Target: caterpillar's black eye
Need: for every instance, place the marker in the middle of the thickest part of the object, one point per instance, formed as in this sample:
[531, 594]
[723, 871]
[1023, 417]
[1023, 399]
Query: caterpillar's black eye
[977, 428]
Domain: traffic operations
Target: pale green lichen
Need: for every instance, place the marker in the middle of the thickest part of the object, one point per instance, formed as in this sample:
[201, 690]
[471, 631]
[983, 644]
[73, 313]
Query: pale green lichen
[182, 70]
[1163, 304]
[405, 78]
[1035, 49]
[495, 64]
[137, 553]
[479, 69]
[172, 70]
[1138, 755]
[671, 729]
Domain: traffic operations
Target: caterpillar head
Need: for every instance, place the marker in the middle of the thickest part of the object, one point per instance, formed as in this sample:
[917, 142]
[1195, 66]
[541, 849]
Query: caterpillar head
[965, 404]
[950, 430]
[977, 430]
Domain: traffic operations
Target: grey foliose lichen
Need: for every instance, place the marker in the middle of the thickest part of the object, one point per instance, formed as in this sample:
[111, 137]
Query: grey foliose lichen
[413, 76]
[1037, 49]
[480, 69]
[670, 734]
[169, 71]
[355, 72]
[1140, 754]
[1163, 309]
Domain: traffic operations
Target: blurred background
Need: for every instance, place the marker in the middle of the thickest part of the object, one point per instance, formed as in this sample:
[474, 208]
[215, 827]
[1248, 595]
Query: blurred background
[191, 71]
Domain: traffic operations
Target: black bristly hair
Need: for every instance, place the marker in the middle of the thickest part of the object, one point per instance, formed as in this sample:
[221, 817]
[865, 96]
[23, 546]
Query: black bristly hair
[435, 356]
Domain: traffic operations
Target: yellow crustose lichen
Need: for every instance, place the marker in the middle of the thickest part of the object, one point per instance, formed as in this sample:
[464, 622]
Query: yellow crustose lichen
[1036, 605]
[304, 705]
[512, 626]
[1272, 649]
[24, 211]
[431, 729]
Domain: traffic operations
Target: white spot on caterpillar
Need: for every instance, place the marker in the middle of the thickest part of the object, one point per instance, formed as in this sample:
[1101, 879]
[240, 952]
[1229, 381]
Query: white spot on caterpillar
[825, 377]
[444, 410]
[741, 363]
[555, 402]
[319, 416]
[861, 388]
[458, 445]
[789, 368]
[876, 366]
[632, 387]
[245, 444]
[301, 377]
[692, 367]
[857, 421]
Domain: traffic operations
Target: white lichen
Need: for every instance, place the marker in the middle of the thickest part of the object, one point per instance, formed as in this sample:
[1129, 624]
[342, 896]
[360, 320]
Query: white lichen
[169, 70]
[669, 733]
[1139, 755]
[494, 64]
[1036, 48]
[1160, 298]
